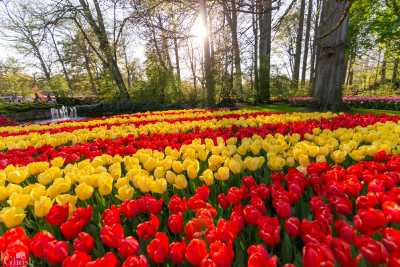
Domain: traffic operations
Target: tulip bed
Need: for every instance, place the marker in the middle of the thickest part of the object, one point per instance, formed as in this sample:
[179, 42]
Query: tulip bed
[202, 188]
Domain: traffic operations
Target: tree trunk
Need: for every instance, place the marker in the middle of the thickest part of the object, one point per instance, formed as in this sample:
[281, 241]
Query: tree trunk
[178, 68]
[299, 40]
[232, 21]
[331, 63]
[208, 62]
[307, 42]
[314, 48]
[395, 69]
[383, 69]
[60, 59]
[255, 55]
[265, 51]
[108, 58]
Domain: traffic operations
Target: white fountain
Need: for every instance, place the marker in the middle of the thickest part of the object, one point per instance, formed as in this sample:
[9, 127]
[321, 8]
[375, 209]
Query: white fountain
[63, 113]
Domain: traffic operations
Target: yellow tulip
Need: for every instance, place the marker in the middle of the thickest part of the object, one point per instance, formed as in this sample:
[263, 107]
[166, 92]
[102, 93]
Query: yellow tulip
[177, 166]
[170, 176]
[125, 192]
[57, 162]
[42, 206]
[304, 160]
[166, 163]
[84, 191]
[222, 174]
[37, 191]
[115, 170]
[192, 170]
[12, 216]
[19, 200]
[159, 172]
[251, 163]
[235, 166]
[276, 163]
[338, 156]
[18, 175]
[35, 168]
[180, 182]
[121, 182]
[207, 177]
[159, 186]
[150, 164]
[4, 193]
[105, 186]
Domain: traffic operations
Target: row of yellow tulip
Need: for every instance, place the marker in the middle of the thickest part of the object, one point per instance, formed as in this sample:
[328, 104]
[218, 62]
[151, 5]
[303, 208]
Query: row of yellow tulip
[162, 115]
[40, 184]
[86, 135]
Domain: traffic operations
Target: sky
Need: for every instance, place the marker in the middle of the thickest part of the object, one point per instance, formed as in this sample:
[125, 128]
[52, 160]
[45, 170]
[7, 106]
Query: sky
[136, 50]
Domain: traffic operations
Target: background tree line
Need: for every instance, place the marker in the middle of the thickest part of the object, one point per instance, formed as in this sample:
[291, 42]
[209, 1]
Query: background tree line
[202, 51]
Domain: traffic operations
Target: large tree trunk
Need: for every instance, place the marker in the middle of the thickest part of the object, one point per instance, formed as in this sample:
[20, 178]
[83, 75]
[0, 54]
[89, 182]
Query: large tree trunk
[255, 55]
[395, 69]
[307, 42]
[383, 68]
[178, 68]
[208, 62]
[331, 62]
[108, 57]
[299, 41]
[314, 48]
[232, 21]
[265, 51]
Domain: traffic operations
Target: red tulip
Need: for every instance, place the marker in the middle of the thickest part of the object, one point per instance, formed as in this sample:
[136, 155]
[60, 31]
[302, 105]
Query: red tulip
[39, 243]
[148, 229]
[234, 196]
[196, 251]
[372, 250]
[177, 252]
[391, 239]
[269, 230]
[128, 246]
[222, 254]
[283, 209]
[84, 214]
[259, 257]
[16, 233]
[130, 208]
[342, 251]
[158, 248]
[112, 235]
[111, 216]
[136, 261]
[58, 214]
[78, 259]
[16, 254]
[222, 201]
[203, 192]
[251, 214]
[108, 260]
[177, 204]
[370, 220]
[248, 181]
[150, 204]
[293, 226]
[345, 231]
[71, 228]
[175, 223]
[56, 251]
[84, 242]
[315, 254]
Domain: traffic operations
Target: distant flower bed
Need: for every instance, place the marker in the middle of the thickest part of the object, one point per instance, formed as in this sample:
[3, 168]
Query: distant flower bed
[5, 121]
[379, 102]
